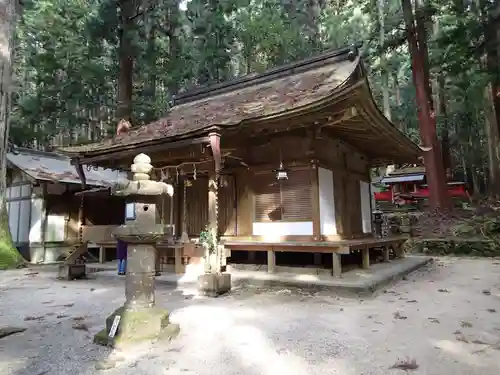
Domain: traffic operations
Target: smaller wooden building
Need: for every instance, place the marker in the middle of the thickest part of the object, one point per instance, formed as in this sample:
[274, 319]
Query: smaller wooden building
[276, 163]
[408, 185]
[46, 218]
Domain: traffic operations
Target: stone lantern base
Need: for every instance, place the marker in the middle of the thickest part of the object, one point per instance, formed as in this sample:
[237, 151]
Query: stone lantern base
[137, 326]
[214, 284]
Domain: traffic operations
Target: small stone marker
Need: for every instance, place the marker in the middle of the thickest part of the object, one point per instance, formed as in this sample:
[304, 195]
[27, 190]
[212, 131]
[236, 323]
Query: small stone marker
[114, 327]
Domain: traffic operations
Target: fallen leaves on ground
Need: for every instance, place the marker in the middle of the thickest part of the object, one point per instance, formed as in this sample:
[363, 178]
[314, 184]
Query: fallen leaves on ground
[30, 318]
[80, 326]
[7, 331]
[397, 315]
[407, 364]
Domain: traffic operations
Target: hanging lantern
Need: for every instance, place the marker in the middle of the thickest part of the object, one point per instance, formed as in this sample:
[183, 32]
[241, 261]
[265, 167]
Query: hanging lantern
[281, 173]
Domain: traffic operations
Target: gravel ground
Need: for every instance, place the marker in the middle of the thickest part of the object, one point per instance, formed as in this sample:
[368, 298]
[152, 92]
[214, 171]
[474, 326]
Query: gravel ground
[444, 318]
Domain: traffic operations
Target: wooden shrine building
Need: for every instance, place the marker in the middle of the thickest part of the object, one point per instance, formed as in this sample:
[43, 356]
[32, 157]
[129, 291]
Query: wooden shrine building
[223, 146]
[47, 218]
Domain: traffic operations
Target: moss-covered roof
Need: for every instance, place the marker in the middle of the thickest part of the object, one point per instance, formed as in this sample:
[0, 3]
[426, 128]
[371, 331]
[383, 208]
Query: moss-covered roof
[304, 86]
[231, 104]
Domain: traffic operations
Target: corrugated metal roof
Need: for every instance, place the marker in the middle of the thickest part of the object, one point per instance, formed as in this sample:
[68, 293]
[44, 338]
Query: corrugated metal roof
[50, 166]
[415, 177]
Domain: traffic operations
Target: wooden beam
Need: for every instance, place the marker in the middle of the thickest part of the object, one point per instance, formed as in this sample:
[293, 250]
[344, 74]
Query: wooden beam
[81, 174]
[107, 155]
[271, 261]
[365, 253]
[316, 220]
[213, 192]
[336, 265]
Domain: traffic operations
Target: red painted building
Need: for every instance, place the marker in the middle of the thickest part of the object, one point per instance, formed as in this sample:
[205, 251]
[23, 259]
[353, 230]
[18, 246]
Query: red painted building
[407, 185]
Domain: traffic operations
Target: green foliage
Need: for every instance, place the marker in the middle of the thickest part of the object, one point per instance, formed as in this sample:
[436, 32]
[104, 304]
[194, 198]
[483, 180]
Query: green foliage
[67, 60]
[9, 256]
[478, 226]
[209, 239]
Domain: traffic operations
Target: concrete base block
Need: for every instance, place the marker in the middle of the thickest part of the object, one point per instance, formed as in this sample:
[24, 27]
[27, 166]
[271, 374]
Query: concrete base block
[213, 285]
[71, 271]
[137, 326]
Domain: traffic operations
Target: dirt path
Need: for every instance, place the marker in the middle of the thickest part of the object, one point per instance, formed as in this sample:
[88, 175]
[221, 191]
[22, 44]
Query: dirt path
[446, 318]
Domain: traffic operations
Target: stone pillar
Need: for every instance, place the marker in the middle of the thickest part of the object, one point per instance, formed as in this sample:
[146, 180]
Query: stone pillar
[140, 278]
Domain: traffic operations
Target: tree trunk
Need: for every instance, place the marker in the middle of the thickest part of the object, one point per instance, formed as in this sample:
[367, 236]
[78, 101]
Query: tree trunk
[9, 256]
[439, 82]
[445, 136]
[492, 42]
[438, 198]
[400, 124]
[383, 62]
[421, 35]
[493, 143]
[126, 60]
[151, 83]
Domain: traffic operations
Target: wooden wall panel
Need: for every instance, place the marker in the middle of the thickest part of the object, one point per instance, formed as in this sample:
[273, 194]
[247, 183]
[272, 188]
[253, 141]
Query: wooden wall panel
[228, 207]
[245, 209]
[339, 155]
[267, 202]
[347, 205]
[285, 148]
[197, 206]
[354, 199]
[297, 196]
[340, 200]
[288, 200]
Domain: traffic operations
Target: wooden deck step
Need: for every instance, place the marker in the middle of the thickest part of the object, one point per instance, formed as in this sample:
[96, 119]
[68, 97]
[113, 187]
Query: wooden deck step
[76, 252]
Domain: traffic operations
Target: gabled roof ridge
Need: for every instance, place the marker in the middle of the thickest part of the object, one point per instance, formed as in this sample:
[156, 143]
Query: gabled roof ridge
[32, 151]
[269, 75]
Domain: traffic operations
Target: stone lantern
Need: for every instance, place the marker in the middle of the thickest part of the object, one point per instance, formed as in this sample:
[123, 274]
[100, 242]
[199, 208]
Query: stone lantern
[139, 319]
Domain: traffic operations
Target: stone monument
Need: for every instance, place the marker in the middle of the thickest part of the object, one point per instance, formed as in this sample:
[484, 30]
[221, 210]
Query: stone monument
[139, 319]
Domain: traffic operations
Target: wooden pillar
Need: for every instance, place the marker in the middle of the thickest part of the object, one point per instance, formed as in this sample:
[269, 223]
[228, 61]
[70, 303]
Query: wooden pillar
[387, 252]
[178, 266]
[184, 233]
[336, 265]
[398, 250]
[315, 201]
[317, 259]
[366, 257]
[45, 218]
[213, 194]
[102, 254]
[271, 261]
[245, 201]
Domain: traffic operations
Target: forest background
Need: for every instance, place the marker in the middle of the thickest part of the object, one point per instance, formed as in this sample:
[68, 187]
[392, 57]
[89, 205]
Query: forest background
[81, 65]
